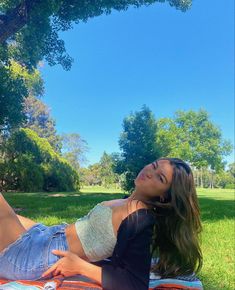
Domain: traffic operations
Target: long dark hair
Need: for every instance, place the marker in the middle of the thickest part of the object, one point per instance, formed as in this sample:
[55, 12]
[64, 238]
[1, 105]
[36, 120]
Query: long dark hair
[178, 225]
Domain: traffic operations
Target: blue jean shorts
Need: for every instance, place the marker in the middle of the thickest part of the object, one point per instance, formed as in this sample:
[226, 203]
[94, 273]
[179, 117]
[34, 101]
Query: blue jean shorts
[30, 255]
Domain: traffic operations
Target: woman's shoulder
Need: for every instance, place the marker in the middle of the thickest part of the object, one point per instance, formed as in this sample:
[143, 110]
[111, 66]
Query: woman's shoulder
[127, 211]
[131, 206]
[139, 221]
[136, 212]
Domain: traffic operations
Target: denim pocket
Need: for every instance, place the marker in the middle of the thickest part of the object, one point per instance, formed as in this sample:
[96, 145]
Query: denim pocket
[57, 242]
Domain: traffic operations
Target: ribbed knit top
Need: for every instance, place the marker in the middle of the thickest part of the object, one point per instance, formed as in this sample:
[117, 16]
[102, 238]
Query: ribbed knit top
[95, 232]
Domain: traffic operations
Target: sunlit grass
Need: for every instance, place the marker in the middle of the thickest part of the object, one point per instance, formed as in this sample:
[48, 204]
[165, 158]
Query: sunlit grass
[217, 210]
[218, 238]
[53, 208]
[93, 189]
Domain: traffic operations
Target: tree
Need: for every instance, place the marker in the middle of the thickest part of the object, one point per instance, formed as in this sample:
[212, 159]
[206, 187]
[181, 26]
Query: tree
[31, 164]
[107, 174]
[11, 100]
[231, 169]
[38, 119]
[29, 29]
[74, 149]
[224, 179]
[91, 175]
[138, 144]
[101, 173]
[16, 84]
[193, 137]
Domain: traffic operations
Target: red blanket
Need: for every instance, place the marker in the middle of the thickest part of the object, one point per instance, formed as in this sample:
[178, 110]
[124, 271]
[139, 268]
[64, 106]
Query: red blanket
[82, 283]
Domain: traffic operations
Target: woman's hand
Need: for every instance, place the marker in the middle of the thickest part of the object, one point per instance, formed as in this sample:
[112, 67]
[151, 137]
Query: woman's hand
[71, 264]
[68, 265]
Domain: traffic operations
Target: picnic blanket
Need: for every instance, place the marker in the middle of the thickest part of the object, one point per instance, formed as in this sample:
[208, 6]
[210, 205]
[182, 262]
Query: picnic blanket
[82, 283]
[48, 285]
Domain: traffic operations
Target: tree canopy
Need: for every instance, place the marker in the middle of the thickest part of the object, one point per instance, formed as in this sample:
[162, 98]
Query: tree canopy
[101, 173]
[138, 144]
[29, 29]
[189, 135]
[29, 33]
[38, 119]
[193, 137]
[73, 149]
[31, 164]
[107, 174]
[12, 93]
[16, 84]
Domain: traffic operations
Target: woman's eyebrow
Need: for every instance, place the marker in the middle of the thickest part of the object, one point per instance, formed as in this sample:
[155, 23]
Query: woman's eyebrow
[161, 172]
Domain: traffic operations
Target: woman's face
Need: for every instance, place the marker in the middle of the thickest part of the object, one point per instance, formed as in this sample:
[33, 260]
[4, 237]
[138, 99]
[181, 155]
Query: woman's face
[154, 179]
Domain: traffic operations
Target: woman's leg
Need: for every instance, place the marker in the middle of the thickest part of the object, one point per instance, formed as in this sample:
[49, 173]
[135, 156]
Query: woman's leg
[10, 226]
[26, 222]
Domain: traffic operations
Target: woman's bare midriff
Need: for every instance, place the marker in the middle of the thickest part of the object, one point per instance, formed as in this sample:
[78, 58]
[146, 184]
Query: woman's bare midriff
[74, 243]
[119, 212]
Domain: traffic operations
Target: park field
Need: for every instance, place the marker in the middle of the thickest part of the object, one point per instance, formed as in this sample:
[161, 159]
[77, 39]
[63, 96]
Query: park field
[217, 210]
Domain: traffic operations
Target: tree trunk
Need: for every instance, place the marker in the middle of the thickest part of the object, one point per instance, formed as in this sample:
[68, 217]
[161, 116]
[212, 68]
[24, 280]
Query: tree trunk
[197, 176]
[201, 178]
[212, 179]
[16, 18]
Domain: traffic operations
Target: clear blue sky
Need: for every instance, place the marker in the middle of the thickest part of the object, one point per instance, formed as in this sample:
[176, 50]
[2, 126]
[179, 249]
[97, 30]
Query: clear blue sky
[156, 55]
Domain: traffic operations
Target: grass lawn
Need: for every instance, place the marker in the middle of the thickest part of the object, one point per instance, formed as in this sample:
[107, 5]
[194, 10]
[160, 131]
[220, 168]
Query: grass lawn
[218, 238]
[217, 208]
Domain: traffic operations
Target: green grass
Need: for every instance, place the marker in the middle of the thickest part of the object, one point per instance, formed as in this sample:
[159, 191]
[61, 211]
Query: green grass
[218, 238]
[217, 209]
[53, 208]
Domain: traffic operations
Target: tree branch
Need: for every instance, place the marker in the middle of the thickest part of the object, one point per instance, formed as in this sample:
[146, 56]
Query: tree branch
[15, 19]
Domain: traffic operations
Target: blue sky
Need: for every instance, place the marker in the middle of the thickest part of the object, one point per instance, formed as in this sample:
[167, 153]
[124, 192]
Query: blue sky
[156, 55]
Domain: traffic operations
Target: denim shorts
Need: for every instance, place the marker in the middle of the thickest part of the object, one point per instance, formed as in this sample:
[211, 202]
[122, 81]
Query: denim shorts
[30, 255]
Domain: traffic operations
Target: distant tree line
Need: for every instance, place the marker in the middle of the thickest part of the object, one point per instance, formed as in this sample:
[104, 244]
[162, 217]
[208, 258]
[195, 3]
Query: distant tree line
[102, 173]
[189, 135]
[211, 179]
[35, 158]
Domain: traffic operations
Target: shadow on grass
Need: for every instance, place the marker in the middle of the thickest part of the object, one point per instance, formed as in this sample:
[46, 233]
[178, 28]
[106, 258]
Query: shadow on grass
[75, 205]
[213, 210]
[66, 206]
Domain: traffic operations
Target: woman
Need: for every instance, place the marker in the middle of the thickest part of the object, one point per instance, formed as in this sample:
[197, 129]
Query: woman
[163, 203]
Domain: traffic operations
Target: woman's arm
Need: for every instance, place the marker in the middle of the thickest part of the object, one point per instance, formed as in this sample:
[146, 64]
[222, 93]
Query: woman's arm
[130, 264]
[70, 264]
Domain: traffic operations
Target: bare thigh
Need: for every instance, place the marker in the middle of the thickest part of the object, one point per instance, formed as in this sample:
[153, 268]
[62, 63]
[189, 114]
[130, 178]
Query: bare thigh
[10, 226]
[26, 222]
